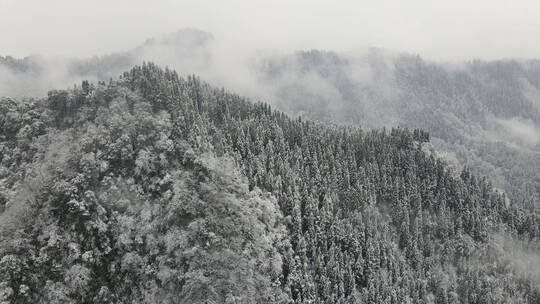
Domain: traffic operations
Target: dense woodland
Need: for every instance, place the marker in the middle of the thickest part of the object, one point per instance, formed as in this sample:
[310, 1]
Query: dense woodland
[480, 114]
[483, 114]
[152, 188]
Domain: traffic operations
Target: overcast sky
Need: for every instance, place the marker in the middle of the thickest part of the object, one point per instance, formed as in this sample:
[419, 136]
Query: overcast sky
[443, 30]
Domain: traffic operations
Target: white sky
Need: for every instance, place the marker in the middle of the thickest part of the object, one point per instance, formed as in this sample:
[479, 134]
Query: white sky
[443, 30]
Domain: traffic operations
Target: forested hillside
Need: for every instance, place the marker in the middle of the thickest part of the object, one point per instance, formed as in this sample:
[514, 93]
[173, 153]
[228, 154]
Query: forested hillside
[481, 114]
[152, 188]
[485, 115]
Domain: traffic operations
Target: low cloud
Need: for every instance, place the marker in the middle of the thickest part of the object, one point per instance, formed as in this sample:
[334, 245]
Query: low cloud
[37, 76]
[522, 256]
[301, 82]
[518, 131]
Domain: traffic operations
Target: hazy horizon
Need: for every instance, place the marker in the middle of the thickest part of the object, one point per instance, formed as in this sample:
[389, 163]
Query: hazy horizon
[455, 31]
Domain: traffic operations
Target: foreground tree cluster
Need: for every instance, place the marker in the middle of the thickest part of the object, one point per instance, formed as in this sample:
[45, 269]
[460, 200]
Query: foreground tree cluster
[157, 189]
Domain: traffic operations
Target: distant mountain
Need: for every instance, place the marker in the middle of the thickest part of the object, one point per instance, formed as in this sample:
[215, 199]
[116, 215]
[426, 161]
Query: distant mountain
[153, 188]
[188, 49]
[35, 75]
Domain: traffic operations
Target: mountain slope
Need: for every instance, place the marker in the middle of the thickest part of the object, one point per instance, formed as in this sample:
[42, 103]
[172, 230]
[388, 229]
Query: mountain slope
[130, 192]
[483, 115]
[106, 213]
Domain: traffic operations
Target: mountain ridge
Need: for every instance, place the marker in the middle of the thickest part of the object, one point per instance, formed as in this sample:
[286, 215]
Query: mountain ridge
[480, 114]
[138, 204]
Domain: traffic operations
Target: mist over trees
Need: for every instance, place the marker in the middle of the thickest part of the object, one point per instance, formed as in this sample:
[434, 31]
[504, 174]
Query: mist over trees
[480, 114]
[152, 187]
[156, 188]
[483, 115]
